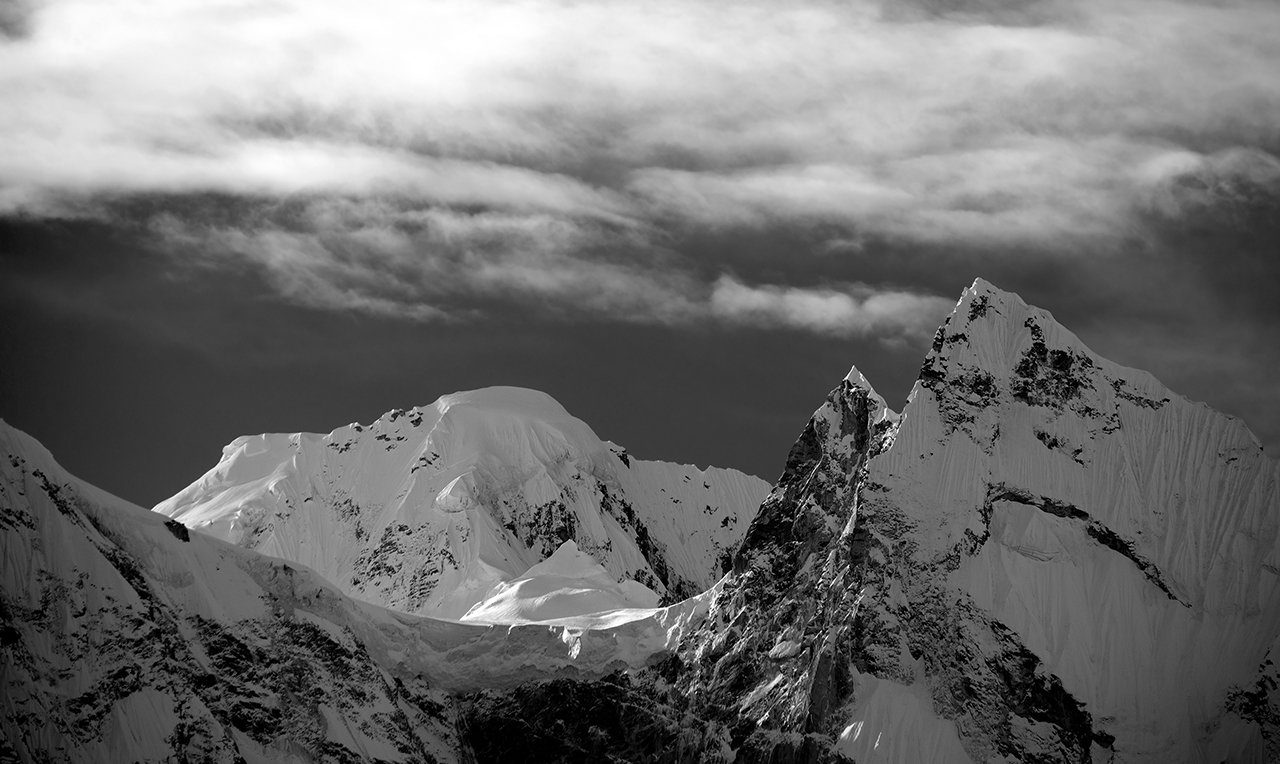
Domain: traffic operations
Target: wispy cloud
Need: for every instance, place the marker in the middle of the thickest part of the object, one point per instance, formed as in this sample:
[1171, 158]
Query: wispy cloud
[853, 309]
[550, 150]
[442, 265]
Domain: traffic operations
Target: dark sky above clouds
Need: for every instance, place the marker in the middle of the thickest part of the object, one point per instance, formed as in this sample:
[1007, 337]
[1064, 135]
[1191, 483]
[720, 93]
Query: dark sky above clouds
[684, 220]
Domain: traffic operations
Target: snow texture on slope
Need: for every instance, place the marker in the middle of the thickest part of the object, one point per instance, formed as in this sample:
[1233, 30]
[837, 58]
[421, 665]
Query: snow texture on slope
[562, 589]
[427, 510]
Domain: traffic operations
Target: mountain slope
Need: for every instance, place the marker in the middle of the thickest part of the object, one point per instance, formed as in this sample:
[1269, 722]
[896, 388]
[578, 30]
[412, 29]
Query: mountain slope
[124, 637]
[427, 510]
[1046, 557]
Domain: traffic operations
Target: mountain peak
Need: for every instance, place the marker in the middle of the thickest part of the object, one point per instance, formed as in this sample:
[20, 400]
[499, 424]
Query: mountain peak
[1011, 566]
[427, 509]
[881, 410]
[993, 340]
[504, 398]
[856, 378]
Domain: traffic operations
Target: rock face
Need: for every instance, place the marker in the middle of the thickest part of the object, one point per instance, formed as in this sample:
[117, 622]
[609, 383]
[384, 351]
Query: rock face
[1046, 557]
[427, 510]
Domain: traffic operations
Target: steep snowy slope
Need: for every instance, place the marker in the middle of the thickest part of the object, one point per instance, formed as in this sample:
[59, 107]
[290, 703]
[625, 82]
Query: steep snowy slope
[1046, 557]
[123, 637]
[427, 510]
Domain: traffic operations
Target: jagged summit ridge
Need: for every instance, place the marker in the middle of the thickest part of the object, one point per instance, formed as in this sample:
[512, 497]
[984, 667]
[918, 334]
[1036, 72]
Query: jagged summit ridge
[427, 510]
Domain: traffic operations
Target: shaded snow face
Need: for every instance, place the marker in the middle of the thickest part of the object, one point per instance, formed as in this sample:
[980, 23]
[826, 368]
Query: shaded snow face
[427, 510]
[1047, 557]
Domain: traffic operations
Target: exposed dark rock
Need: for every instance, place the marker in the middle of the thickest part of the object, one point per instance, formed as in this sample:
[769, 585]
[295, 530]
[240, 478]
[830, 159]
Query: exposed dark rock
[178, 530]
[1050, 377]
[612, 720]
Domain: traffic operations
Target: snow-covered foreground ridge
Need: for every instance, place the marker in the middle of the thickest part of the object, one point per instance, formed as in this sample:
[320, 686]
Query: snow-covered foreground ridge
[125, 637]
[428, 510]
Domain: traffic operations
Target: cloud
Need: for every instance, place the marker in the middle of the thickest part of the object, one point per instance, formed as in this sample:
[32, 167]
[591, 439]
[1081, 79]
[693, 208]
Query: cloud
[435, 265]
[552, 152]
[438, 264]
[277, 168]
[853, 310]
[1044, 191]
[1186, 185]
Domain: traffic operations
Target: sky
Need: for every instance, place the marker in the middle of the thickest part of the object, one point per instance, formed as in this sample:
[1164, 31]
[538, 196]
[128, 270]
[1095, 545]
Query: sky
[684, 220]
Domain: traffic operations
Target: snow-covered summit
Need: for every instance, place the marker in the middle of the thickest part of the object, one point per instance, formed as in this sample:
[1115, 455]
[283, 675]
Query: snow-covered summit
[1116, 527]
[426, 510]
[1047, 556]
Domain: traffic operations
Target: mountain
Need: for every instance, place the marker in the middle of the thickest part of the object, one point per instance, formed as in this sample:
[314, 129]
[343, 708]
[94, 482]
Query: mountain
[428, 510]
[1045, 557]
[126, 637]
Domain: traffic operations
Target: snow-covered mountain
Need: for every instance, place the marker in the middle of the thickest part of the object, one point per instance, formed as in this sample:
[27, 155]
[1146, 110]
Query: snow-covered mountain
[126, 638]
[1046, 557]
[427, 510]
